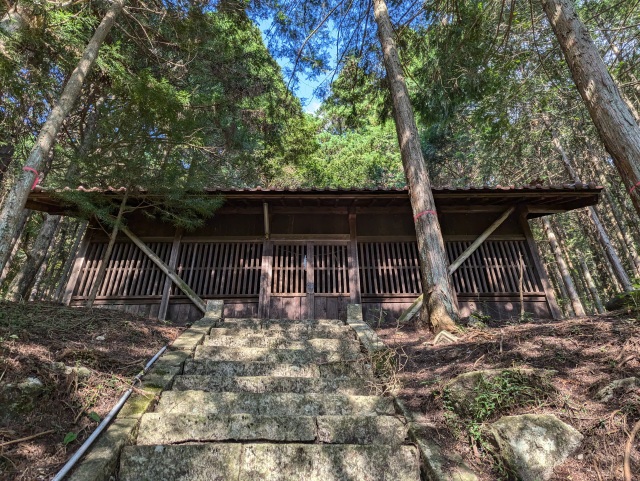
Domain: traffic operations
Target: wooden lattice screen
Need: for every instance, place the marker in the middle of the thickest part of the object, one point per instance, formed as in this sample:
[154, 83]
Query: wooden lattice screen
[220, 268]
[129, 272]
[494, 268]
[388, 268]
[391, 268]
[289, 271]
[330, 269]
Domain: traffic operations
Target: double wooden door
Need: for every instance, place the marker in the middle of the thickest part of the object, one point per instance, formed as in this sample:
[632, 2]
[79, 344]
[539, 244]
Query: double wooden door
[309, 280]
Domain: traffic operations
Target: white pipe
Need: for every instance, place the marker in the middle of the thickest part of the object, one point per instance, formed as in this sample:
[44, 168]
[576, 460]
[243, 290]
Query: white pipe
[116, 409]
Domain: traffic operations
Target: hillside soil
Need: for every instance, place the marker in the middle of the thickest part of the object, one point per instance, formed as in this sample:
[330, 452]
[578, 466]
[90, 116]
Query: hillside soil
[61, 371]
[587, 353]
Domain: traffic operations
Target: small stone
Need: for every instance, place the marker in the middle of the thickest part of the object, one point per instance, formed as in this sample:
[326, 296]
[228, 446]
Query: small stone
[533, 445]
[100, 338]
[580, 457]
[83, 372]
[31, 385]
[619, 386]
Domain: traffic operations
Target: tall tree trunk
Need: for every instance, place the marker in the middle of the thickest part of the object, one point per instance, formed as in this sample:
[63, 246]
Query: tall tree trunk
[15, 243]
[439, 307]
[68, 264]
[576, 274]
[627, 235]
[603, 237]
[610, 252]
[16, 198]
[107, 254]
[557, 277]
[591, 285]
[611, 116]
[6, 156]
[22, 283]
[564, 270]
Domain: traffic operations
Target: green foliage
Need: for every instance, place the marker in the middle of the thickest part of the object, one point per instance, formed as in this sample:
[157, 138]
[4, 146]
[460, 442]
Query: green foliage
[69, 438]
[496, 396]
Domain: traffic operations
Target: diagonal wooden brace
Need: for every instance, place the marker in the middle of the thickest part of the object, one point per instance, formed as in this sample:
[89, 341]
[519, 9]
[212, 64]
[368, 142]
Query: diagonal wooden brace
[199, 303]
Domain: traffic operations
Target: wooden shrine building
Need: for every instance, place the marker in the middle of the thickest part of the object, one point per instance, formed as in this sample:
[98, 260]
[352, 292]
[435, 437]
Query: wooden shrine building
[307, 253]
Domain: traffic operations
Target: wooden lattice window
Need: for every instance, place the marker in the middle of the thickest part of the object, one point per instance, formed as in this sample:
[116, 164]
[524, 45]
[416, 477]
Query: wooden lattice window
[289, 269]
[220, 268]
[330, 269]
[388, 268]
[129, 272]
[494, 268]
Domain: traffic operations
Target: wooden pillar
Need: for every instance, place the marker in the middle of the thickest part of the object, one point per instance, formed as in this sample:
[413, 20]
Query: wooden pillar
[77, 267]
[264, 298]
[311, 288]
[535, 255]
[354, 266]
[173, 260]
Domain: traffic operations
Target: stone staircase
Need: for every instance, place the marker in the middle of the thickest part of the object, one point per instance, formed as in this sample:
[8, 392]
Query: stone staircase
[268, 400]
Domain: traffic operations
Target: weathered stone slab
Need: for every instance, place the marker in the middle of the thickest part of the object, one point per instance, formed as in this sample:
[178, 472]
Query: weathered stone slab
[309, 462]
[166, 428]
[385, 430]
[260, 354]
[191, 462]
[214, 309]
[259, 384]
[273, 404]
[271, 342]
[139, 402]
[101, 461]
[283, 324]
[533, 444]
[234, 368]
[294, 333]
[189, 339]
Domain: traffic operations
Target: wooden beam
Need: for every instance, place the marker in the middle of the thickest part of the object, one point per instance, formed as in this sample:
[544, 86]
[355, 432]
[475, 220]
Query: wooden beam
[173, 259]
[476, 243]
[264, 299]
[198, 302]
[415, 307]
[267, 227]
[353, 267]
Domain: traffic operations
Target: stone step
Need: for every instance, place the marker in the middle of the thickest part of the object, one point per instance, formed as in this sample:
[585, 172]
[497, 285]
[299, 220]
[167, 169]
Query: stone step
[169, 428]
[293, 333]
[277, 342]
[273, 404]
[258, 384]
[284, 324]
[261, 354]
[206, 367]
[269, 462]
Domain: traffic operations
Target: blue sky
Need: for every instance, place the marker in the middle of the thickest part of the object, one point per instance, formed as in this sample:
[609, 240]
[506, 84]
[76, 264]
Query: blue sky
[305, 86]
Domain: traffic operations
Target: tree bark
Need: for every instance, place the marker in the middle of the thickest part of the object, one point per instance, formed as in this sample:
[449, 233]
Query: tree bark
[612, 256]
[439, 308]
[15, 243]
[107, 254]
[16, 198]
[586, 272]
[22, 283]
[564, 270]
[603, 237]
[611, 116]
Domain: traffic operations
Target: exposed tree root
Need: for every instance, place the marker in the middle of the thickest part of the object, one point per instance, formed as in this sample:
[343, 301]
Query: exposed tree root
[627, 451]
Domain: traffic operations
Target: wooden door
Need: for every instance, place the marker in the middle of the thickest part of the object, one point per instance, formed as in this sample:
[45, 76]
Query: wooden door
[309, 280]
